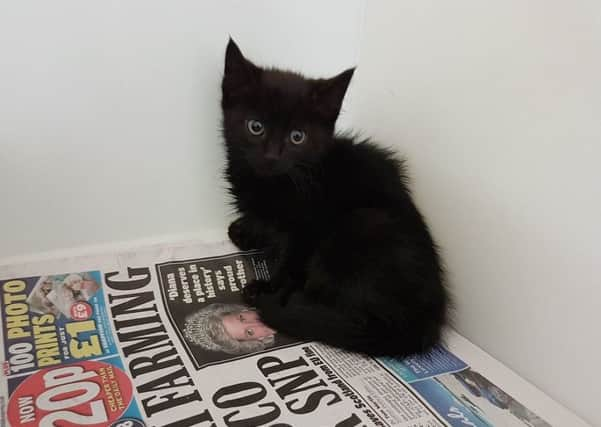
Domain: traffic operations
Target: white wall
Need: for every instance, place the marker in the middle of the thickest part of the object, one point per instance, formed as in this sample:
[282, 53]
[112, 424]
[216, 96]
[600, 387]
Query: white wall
[109, 111]
[497, 105]
[109, 131]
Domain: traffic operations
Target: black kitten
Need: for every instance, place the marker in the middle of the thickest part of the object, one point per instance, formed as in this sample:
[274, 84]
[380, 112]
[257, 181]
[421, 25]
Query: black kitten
[356, 265]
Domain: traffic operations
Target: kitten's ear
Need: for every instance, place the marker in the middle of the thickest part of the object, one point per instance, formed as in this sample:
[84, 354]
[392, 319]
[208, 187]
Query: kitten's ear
[328, 94]
[234, 60]
[239, 73]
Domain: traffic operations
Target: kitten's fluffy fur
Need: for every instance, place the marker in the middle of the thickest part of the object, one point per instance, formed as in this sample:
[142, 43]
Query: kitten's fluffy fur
[356, 265]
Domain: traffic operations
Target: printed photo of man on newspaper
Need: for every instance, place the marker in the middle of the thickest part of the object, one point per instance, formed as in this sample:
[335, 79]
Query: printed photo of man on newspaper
[229, 328]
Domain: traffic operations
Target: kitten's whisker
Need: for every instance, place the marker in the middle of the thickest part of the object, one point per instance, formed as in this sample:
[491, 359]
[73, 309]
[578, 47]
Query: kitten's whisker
[296, 186]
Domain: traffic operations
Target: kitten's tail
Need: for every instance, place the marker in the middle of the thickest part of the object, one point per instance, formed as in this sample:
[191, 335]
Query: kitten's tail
[372, 336]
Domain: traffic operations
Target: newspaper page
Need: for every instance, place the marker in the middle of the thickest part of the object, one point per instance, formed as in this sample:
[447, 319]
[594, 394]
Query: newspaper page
[160, 337]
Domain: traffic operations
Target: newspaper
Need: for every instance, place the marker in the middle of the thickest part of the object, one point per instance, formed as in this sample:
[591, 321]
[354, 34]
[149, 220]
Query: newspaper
[160, 337]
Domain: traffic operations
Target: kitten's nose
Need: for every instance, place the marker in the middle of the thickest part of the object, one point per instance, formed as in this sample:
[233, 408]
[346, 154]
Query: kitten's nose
[272, 153]
[271, 157]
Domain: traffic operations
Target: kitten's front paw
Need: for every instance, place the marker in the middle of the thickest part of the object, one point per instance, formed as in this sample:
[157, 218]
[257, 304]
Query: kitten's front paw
[252, 290]
[240, 235]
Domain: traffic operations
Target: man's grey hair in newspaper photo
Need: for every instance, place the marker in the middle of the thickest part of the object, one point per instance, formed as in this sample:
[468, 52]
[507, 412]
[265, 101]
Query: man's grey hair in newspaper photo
[229, 328]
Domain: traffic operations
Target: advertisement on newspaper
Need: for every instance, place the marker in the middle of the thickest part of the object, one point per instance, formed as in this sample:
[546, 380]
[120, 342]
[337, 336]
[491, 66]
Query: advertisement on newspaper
[53, 326]
[51, 320]
[161, 337]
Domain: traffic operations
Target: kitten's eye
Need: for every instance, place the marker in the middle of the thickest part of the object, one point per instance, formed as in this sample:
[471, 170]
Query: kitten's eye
[297, 136]
[255, 127]
[250, 332]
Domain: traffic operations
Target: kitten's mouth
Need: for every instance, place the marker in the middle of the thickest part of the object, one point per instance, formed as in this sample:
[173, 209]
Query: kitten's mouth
[261, 171]
[269, 169]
